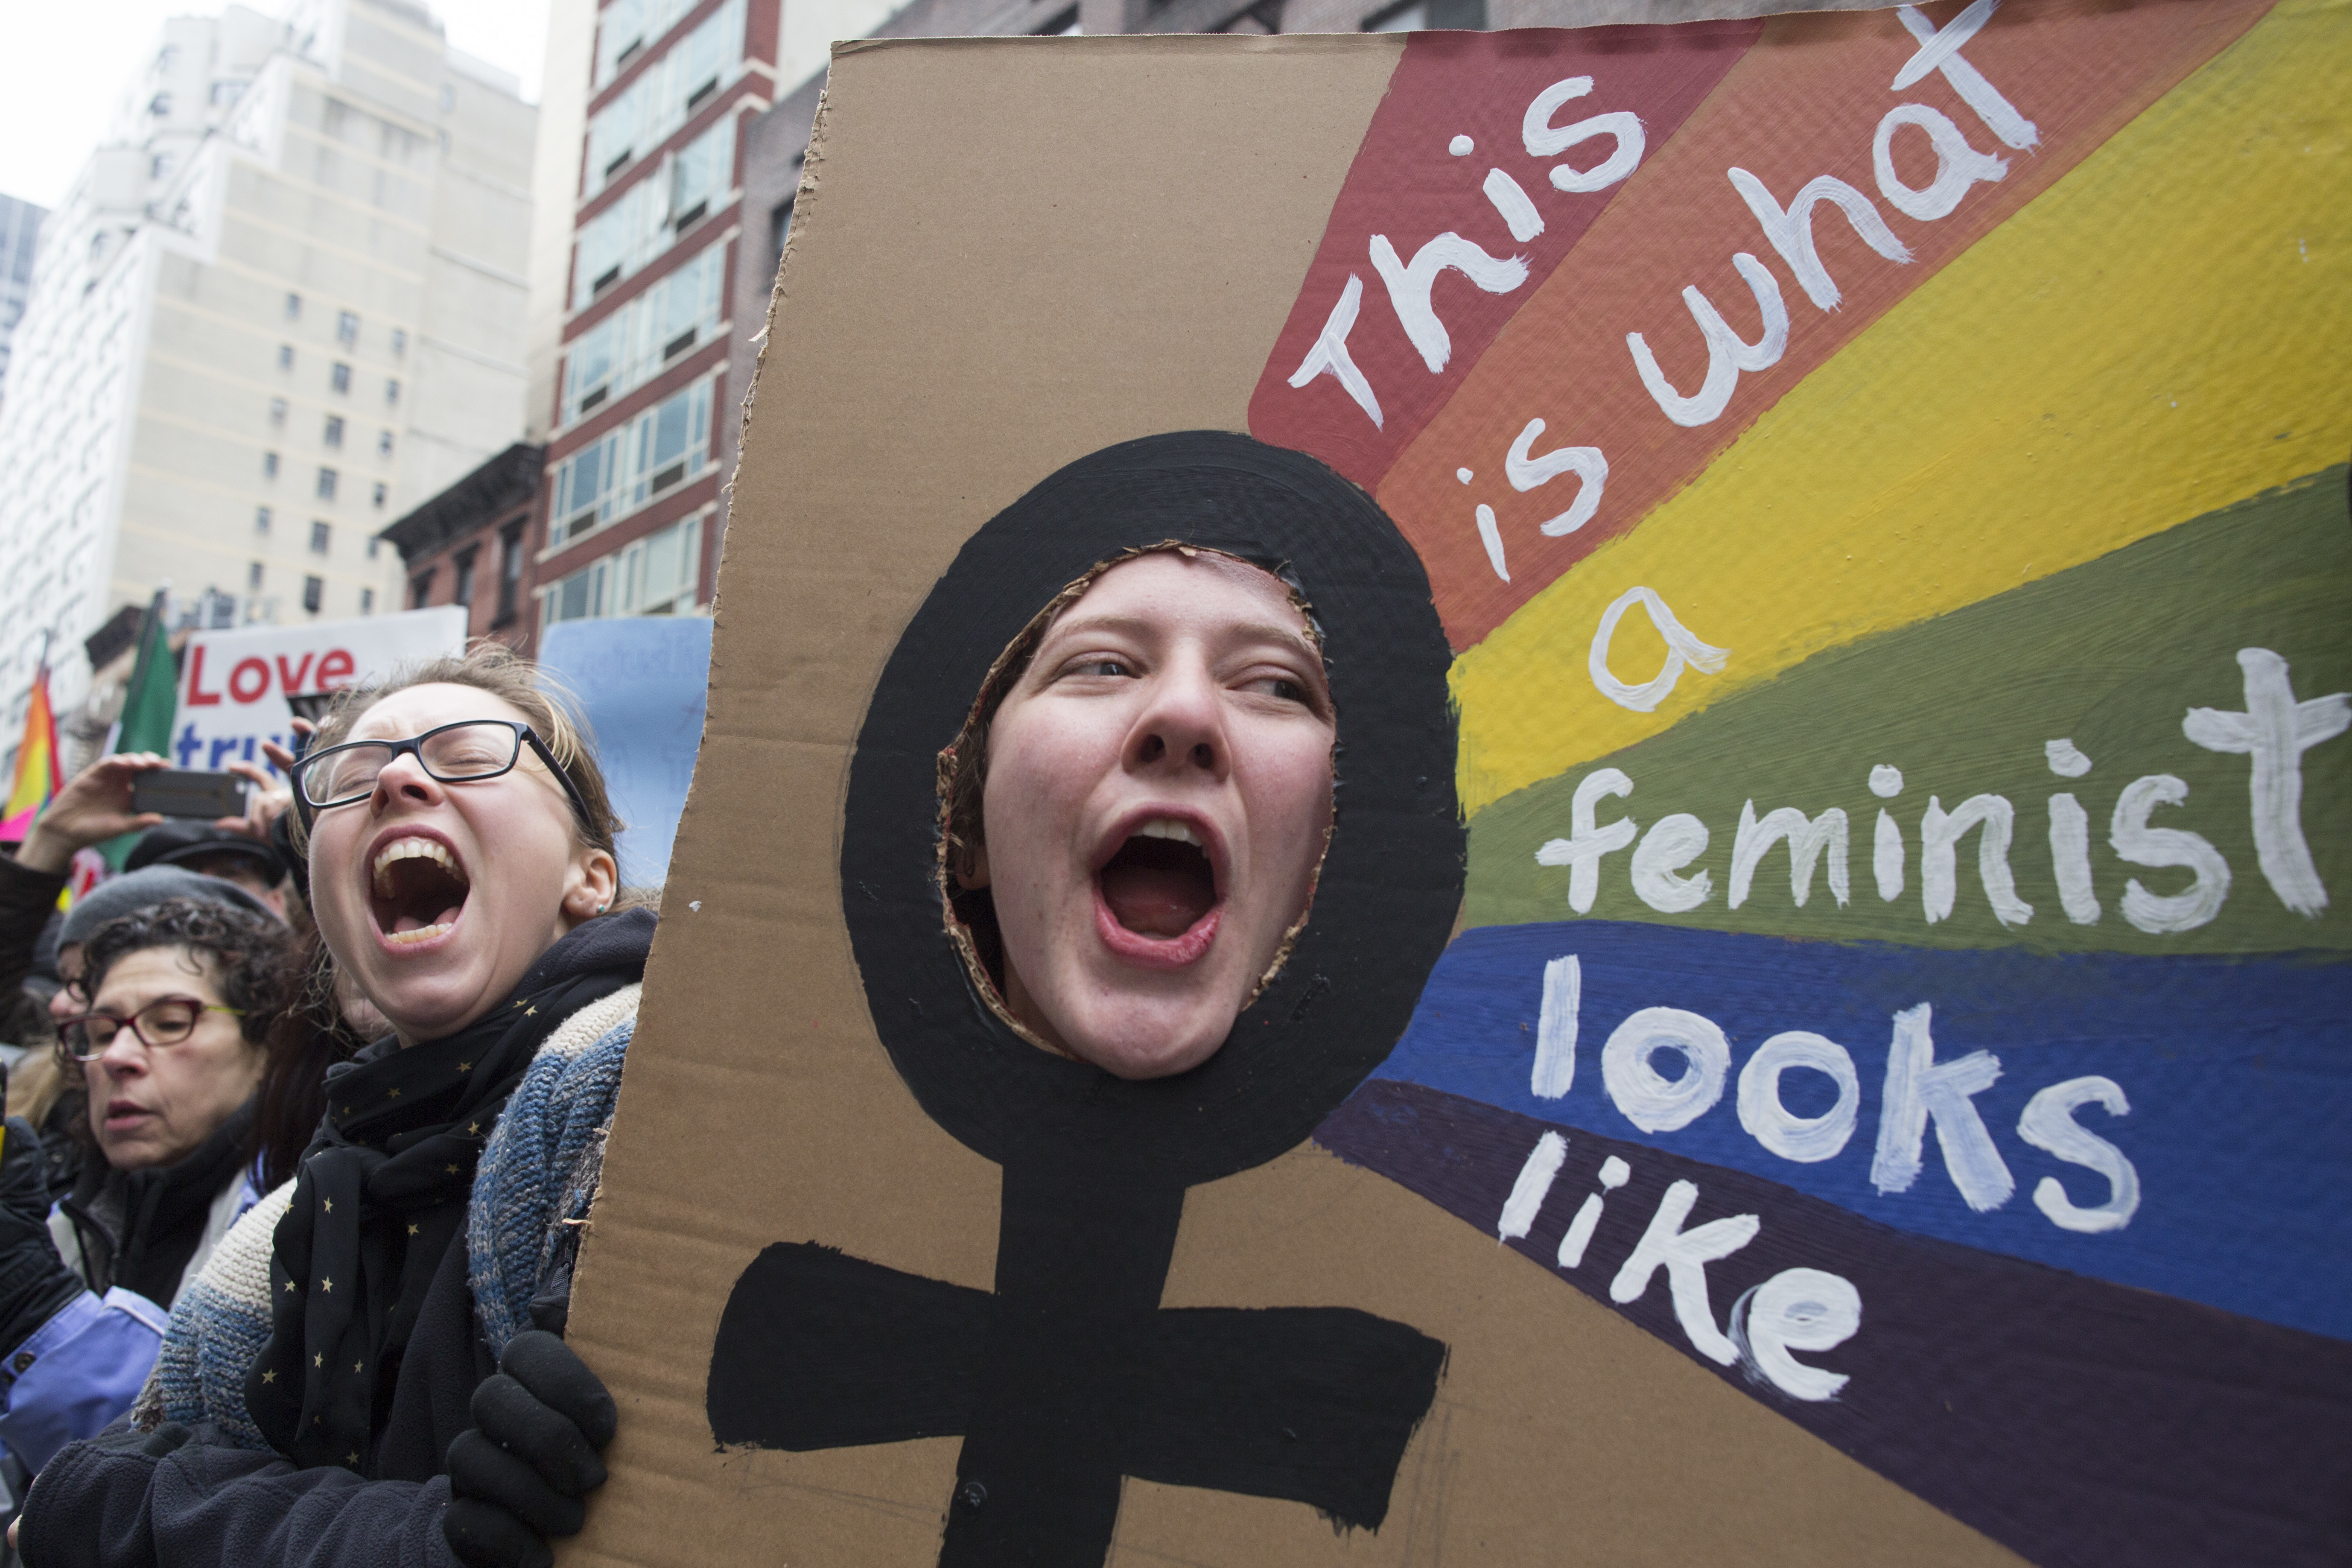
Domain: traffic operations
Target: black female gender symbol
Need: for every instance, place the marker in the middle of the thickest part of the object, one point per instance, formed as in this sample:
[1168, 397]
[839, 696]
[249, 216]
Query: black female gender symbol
[1070, 1376]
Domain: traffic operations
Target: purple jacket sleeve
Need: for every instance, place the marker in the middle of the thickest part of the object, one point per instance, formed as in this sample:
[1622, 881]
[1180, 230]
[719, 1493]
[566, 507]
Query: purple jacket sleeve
[157, 1499]
[77, 1373]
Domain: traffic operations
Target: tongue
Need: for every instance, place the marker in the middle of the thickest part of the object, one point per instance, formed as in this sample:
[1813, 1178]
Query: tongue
[406, 924]
[1153, 900]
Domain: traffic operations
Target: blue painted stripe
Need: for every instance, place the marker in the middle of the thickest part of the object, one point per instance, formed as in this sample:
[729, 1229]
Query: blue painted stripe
[2239, 1076]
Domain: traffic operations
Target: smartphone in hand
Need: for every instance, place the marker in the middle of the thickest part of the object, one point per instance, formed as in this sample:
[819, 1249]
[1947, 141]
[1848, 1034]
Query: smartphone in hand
[188, 792]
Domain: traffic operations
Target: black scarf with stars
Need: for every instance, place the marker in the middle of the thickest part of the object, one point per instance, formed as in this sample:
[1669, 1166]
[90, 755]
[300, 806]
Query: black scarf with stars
[380, 1198]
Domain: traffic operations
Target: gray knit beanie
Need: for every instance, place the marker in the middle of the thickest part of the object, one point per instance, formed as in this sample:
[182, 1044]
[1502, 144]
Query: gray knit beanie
[145, 889]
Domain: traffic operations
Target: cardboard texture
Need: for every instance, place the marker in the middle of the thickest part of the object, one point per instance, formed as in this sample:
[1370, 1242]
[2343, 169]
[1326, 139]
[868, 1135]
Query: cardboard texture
[1898, 690]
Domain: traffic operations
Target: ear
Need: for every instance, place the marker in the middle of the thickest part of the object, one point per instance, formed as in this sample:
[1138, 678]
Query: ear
[590, 885]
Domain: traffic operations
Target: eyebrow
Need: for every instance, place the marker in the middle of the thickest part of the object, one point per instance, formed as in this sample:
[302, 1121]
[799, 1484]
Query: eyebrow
[1137, 626]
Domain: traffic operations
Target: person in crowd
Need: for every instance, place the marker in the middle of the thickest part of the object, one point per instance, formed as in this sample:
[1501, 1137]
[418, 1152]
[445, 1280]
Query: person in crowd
[243, 855]
[95, 807]
[168, 1053]
[43, 1089]
[1138, 807]
[461, 870]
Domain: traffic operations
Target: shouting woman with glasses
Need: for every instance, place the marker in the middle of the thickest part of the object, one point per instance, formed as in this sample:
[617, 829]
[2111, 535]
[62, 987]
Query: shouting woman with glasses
[369, 1369]
[168, 1055]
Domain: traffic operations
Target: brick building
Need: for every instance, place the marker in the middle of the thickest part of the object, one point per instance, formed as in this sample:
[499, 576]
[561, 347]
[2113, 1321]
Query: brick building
[472, 545]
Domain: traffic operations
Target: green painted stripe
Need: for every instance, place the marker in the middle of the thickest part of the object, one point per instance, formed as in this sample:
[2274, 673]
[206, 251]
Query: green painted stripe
[2109, 655]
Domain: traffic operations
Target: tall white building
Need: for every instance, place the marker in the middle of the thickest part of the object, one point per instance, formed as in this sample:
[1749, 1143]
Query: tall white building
[282, 304]
[20, 228]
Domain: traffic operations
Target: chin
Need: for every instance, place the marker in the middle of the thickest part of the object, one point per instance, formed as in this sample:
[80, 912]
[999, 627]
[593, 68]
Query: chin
[136, 1156]
[1156, 1048]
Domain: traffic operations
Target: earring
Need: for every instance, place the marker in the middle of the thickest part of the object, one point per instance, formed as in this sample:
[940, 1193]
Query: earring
[602, 908]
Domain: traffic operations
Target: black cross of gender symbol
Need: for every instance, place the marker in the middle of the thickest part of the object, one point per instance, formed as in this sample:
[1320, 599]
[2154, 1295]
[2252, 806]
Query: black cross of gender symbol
[1070, 1376]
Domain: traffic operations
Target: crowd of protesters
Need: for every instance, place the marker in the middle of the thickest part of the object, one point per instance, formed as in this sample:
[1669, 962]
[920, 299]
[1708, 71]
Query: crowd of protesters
[287, 1217]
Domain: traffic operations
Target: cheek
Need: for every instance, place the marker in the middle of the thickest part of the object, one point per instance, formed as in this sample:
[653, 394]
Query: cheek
[1293, 788]
[336, 897]
[1291, 804]
[533, 849]
[1038, 770]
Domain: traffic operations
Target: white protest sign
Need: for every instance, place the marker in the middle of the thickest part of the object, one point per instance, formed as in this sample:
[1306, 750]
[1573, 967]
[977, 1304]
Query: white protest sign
[234, 686]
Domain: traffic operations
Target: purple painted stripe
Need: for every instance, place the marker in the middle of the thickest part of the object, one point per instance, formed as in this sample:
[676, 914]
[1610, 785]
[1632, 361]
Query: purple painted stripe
[2075, 1421]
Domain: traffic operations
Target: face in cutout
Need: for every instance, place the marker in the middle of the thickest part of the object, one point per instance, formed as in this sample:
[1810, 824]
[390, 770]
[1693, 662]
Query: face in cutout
[435, 898]
[1157, 795]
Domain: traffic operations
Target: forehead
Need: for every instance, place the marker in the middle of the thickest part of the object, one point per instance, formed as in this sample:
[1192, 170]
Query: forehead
[157, 972]
[1200, 591]
[416, 709]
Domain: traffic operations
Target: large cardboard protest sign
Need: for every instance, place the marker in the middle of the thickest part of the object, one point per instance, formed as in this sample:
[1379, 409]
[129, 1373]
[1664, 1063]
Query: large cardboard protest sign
[239, 688]
[1824, 1034]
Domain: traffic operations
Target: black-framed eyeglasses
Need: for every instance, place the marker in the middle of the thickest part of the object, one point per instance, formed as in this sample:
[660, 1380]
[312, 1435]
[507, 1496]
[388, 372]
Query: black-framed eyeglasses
[467, 752]
[166, 1021]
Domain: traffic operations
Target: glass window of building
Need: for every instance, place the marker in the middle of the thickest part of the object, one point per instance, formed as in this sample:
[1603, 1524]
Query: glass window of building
[646, 335]
[293, 307]
[269, 464]
[314, 594]
[656, 576]
[510, 569]
[347, 328]
[261, 519]
[326, 484]
[285, 356]
[276, 411]
[333, 434]
[339, 378]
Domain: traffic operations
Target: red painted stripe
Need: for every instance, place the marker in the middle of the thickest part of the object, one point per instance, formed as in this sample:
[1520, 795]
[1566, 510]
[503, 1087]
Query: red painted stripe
[1406, 185]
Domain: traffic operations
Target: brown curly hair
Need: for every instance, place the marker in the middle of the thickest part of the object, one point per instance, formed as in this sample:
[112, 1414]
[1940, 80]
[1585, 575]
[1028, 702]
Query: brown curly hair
[252, 957]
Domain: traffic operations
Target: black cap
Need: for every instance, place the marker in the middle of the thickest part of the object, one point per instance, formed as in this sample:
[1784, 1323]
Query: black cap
[180, 843]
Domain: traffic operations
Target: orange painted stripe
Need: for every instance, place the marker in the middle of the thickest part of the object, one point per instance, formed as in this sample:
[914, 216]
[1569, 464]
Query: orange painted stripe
[1804, 102]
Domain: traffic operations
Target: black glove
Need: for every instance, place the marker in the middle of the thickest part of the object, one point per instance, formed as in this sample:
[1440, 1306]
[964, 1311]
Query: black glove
[34, 1283]
[519, 1475]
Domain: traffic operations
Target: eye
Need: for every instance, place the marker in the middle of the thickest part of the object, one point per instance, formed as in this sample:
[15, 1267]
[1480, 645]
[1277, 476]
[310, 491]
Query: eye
[1111, 668]
[1283, 689]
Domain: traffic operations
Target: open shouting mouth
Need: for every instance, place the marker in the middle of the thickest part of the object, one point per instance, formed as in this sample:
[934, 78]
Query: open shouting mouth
[417, 889]
[1156, 901]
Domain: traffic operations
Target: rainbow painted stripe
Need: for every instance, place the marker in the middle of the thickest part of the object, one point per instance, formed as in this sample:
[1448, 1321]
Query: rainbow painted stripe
[1883, 478]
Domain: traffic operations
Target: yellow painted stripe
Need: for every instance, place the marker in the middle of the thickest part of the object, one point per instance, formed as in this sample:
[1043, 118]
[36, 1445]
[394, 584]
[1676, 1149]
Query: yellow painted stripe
[2163, 333]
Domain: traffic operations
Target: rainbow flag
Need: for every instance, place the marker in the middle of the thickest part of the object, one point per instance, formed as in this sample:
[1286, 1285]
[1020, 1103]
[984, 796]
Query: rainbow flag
[37, 764]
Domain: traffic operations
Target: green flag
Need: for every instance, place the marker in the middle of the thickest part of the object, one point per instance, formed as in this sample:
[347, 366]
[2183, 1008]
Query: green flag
[150, 704]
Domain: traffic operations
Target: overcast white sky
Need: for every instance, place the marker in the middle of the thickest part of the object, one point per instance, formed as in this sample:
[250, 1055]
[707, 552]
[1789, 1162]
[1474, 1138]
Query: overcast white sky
[64, 63]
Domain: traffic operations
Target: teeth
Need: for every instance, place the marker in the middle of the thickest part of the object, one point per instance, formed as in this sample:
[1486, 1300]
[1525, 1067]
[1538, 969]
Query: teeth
[1169, 827]
[421, 933]
[412, 850]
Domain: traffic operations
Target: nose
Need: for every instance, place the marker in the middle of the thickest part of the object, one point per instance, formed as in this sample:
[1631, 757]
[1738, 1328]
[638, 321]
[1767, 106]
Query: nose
[405, 779]
[1181, 728]
[125, 1055]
